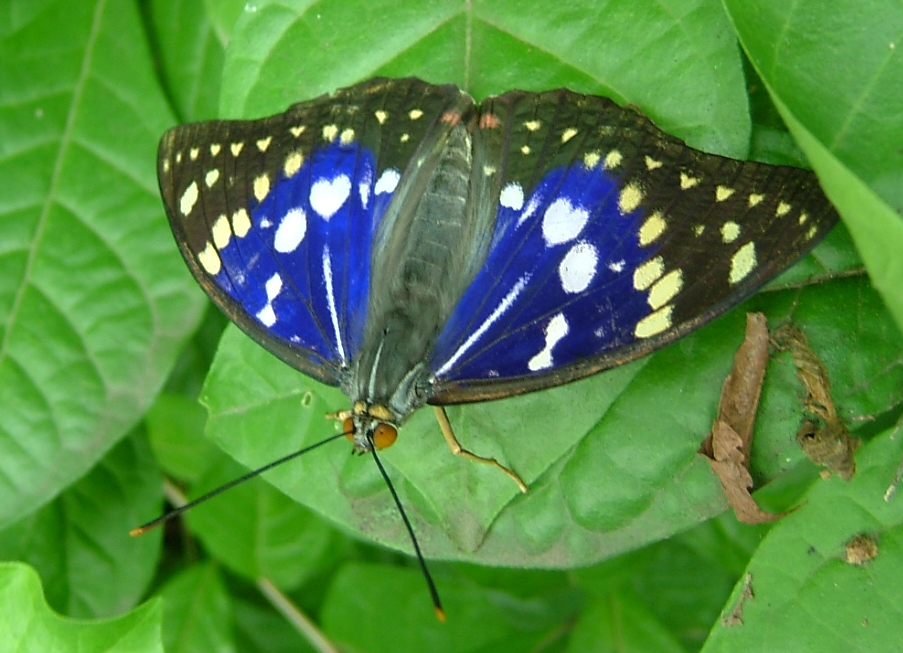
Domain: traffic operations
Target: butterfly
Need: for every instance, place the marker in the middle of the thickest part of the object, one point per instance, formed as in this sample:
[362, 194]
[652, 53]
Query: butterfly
[411, 246]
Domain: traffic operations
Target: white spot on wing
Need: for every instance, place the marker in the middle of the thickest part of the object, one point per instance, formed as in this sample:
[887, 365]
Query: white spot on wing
[503, 306]
[387, 182]
[512, 197]
[563, 222]
[578, 268]
[363, 188]
[327, 197]
[555, 330]
[273, 287]
[330, 300]
[290, 231]
[266, 315]
[528, 212]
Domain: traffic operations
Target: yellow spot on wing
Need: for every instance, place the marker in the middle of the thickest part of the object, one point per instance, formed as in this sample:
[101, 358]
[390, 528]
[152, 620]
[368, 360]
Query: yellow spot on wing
[297, 131]
[235, 148]
[188, 199]
[664, 290]
[381, 116]
[653, 228]
[612, 160]
[241, 223]
[630, 198]
[652, 164]
[654, 323]
[648, 273]
[415, 114]
[591, 160]
[730, 231]
[293, 164]
[723, 192]
[193, 153]
[221, 232]
[525, 150]
[210, 260]
[214, 149]
[783, 209]
[261, 187]
[211, 177]
[532, 125]
[264, 143]
[742, 263]
[346, 137]
[330, 132]
[755, 199]
[687, 182]
[568, 134]
[404, 138]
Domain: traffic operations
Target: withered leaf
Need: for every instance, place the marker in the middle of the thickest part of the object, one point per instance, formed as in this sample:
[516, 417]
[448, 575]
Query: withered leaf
[826, 442]
[727, 447]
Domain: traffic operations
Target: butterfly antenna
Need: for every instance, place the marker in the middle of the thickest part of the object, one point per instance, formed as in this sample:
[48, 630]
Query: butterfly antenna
[172, 514]
[437, 605]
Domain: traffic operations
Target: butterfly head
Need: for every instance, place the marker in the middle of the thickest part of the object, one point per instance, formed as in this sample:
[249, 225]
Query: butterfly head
[369, 426]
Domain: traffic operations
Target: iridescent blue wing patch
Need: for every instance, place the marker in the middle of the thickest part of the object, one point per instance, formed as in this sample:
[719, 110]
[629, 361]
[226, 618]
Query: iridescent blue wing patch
[277, 217]
[611, 240]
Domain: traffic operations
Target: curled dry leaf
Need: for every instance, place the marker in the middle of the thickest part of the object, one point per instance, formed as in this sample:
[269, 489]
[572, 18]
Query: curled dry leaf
[728, 446]
[827, 441]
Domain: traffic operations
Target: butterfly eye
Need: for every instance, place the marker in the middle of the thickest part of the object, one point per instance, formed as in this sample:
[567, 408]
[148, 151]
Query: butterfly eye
[348, 428]
[384, 436]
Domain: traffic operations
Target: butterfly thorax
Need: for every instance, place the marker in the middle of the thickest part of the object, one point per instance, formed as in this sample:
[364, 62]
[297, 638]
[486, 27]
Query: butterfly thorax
[427, 251]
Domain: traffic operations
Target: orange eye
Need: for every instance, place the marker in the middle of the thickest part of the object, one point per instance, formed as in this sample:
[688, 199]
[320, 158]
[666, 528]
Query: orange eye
[348, 428]
[384, 436]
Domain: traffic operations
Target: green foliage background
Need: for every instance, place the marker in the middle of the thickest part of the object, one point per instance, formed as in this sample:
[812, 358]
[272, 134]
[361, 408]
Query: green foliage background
[621, 544]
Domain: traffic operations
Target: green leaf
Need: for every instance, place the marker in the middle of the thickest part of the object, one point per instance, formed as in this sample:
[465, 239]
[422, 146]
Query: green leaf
[606, 473]
[258, 532]
[837, 79]
[80, 541]
[620, 623]
[27, 624]
[175, 426]
[804, 590]
[191, 48]
[197, 612]
[93, 303]
[381, 608]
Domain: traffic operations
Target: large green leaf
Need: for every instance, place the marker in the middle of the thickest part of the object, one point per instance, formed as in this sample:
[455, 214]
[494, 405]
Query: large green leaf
[27, 624]
[611, 461]
[79, 542]
[93, 304]
[607, 474]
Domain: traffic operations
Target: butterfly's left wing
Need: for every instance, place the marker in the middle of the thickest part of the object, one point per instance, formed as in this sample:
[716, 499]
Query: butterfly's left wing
[276, 217]
[612, 239]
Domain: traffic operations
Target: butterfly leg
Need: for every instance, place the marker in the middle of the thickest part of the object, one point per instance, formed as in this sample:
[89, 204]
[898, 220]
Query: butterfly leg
[458, 450]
